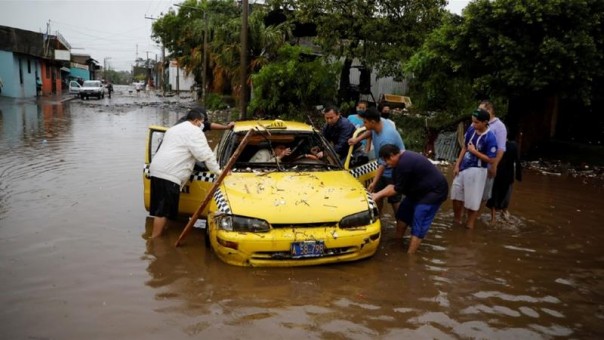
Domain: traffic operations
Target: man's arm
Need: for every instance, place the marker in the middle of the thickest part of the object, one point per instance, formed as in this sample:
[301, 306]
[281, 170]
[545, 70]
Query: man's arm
[378, 175]
[217, 126]
[341, 144]
[386, 192]
[458, 161]
[364, 135]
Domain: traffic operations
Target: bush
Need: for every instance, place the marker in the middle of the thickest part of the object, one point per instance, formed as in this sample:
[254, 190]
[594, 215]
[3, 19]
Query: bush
[214, 101]
[294, 83]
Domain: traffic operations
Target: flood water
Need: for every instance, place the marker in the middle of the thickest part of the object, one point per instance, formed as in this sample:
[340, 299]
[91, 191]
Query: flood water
[75, 263]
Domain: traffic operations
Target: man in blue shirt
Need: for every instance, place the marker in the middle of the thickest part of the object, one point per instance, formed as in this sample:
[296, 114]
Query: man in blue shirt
[425, 189]
[470, 171]
[381, 133]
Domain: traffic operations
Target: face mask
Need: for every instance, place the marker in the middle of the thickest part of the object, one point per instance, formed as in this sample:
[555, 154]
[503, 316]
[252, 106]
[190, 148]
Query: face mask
[359, 111]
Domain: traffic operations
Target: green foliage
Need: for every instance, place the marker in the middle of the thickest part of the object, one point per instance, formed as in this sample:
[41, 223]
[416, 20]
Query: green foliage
[294, 82]
[182, 33]
[379, 33]
[214, 101]
[507, 48]
[413, 131]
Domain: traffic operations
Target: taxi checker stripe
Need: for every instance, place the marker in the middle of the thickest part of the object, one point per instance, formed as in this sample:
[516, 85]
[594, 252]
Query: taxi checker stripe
[372, 204]
[221, 202]
[204, 176]
[198, 176]
[364, 169]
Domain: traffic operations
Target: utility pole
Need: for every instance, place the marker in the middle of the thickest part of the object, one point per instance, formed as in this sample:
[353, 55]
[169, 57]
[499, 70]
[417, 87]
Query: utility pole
[205, 59]
[243, 62]
[163, 71]
[161, 76]
[148, 70]
[105, 64]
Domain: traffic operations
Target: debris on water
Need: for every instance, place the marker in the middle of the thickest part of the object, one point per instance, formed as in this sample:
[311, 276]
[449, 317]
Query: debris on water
[559, 168]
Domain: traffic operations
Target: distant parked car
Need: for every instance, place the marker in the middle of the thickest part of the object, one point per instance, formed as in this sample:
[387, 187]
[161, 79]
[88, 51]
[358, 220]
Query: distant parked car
[92, 88]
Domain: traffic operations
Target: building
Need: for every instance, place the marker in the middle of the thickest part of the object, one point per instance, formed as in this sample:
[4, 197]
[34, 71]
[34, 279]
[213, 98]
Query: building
[26, 56]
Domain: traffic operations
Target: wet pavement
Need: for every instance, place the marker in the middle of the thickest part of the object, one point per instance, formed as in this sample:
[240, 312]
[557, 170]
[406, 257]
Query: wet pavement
[75, 262]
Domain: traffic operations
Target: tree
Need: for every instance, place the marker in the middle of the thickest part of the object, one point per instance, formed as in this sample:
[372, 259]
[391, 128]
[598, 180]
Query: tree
[182, 34]
[531, 52]
[381, 34]
[293, 83]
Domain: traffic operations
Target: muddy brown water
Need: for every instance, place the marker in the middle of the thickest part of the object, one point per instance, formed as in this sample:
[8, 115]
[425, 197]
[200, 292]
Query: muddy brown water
[75, 264]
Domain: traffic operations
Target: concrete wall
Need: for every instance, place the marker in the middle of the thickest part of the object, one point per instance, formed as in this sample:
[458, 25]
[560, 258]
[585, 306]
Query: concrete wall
[185, 82]
[18, 74]
[380, 86]
[6, 59]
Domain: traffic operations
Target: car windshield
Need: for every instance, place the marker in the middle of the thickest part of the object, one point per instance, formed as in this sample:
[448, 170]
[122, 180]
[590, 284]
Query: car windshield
[89, 83]
[258, 155]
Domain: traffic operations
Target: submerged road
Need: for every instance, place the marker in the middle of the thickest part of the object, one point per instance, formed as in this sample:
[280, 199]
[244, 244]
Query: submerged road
[75, 262]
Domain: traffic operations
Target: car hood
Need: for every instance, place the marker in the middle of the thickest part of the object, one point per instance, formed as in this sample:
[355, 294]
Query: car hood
[293, 197]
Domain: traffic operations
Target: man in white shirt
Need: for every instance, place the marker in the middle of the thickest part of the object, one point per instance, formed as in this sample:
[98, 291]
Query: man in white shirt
[173, 164]
[497, 127]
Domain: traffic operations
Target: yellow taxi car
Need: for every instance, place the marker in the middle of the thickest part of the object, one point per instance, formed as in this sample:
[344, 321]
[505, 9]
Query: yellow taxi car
[297, 211]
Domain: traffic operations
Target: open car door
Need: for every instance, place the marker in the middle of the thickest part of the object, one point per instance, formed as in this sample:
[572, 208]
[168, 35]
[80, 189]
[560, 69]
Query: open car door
[363, 169]
[74, 87]
[193, 192]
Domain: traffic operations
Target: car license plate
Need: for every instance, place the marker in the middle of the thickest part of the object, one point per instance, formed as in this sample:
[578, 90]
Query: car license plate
[308, 249]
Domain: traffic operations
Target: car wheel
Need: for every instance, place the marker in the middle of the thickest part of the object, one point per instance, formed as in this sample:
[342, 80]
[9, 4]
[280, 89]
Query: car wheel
[82, 96]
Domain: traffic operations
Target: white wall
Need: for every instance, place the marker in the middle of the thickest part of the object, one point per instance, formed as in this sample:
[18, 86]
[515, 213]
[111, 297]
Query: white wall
[185, 82]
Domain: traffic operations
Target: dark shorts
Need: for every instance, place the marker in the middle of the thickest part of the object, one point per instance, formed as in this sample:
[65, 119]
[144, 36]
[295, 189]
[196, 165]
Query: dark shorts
[384, 182]
[164, 198]
[417, 215]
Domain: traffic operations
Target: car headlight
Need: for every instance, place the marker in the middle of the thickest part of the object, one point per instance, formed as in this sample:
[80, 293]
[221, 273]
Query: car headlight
[360, 219]
[242, 223]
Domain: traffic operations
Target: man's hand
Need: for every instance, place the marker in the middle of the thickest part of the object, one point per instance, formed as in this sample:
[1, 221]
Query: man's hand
[284, 153]
[456, 170]
[352, 141]
[371, 186]
[492, 171]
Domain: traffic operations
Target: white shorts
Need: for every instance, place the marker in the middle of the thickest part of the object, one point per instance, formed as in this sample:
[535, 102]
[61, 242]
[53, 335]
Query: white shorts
[488, 188]
[468, 186]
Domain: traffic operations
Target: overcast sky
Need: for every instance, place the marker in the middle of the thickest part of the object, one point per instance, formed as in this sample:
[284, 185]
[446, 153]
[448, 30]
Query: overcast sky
[115, 32]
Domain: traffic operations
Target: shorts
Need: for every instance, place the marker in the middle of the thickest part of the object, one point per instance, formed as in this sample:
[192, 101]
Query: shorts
[384, 182]
[488, 188]
[468, 186]
[418, 215]
[164, 198]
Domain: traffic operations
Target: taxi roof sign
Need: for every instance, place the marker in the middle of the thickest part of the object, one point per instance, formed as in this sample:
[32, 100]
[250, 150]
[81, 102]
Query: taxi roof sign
[276, 124]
